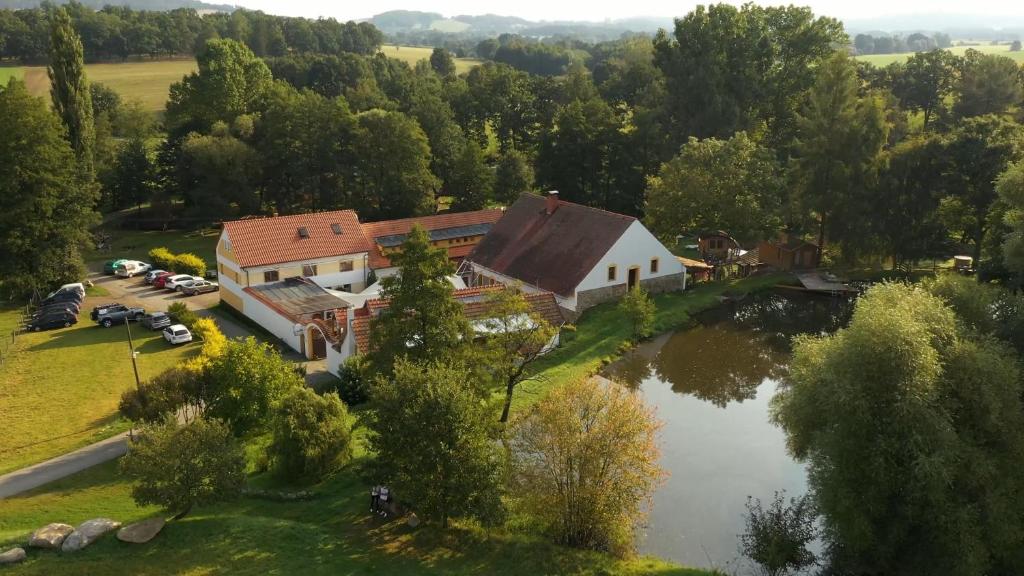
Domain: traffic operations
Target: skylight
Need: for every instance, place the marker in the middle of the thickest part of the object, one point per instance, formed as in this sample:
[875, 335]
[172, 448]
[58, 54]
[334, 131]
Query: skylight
[336, 228]
[303, 232]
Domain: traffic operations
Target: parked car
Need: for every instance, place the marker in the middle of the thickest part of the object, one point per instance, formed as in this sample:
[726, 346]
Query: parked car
[177, 281]
[160, 279]
[62, 297]
[75, 287]
[199, 287]
[111, 265]
[130, 268]
[151, 275]
[156, 320]
[107, 317]
[51, 321]
[96, 309]
[177, 334]
[69, 306]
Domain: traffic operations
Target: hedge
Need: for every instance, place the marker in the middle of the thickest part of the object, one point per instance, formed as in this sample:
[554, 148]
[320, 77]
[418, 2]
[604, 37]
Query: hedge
[189, 264]
[161, 258]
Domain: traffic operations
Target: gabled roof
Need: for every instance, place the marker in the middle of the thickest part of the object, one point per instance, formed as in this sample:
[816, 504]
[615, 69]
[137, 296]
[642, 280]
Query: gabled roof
[474, 305]
[391, 233]
[281, 239]
[554, 251]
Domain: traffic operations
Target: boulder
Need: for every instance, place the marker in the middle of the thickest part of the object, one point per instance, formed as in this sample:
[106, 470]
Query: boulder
[141, 532]
[12, 556]
[88, 532]
[50, 536]
[413, 520]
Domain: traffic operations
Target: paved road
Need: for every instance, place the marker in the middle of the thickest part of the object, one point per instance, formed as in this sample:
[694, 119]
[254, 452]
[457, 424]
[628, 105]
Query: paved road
[34, 476]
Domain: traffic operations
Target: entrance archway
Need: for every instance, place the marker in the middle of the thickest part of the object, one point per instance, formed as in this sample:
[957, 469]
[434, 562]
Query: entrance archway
[316, 348]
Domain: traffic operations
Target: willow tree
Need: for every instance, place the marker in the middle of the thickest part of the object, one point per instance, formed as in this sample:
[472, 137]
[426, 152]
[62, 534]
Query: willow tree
[69, 88]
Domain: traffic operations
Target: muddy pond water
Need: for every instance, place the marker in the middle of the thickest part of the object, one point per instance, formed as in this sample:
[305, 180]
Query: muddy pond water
[712, 386]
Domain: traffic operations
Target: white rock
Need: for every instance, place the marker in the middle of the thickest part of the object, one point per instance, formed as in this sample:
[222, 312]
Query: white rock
[12, 556]
[50, 536]
[88, 532]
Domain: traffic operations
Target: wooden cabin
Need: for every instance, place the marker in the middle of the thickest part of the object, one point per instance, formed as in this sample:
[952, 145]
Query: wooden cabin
[789, 253]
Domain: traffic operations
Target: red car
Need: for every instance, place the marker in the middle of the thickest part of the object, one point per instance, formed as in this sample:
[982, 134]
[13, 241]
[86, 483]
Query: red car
[161, 279]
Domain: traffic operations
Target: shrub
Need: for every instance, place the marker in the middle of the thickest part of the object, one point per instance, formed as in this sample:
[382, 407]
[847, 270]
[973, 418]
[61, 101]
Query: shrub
[180, 311]
[312, 435]
[189, 264]
[151, 402]
[161, 258]
[353, 384]
[214, 465]
[640, 309]
[777, 537]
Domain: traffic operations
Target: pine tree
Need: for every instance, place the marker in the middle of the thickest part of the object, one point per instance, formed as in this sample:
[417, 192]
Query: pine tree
[69, 88]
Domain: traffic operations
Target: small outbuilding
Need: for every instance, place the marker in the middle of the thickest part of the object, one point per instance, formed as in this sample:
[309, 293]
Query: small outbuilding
[789, 253]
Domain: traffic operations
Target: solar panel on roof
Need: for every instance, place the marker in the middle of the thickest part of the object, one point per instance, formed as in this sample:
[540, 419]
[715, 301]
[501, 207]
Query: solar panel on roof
[393, 240]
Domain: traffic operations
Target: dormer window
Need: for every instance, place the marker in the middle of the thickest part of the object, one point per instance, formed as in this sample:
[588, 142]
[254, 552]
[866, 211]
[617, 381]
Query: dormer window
[303, 232]
[336, 228]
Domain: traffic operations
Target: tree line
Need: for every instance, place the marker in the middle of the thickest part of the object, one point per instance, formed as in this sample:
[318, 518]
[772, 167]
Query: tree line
[118, 32]
[896, 44]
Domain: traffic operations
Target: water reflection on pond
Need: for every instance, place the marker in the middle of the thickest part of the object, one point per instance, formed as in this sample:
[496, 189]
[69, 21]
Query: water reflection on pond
[712, 385]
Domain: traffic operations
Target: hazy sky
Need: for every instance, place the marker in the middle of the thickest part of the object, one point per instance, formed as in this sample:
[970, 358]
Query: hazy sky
[601, 10]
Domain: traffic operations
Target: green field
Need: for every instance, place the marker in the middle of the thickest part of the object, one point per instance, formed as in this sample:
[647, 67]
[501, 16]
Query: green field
[886, 59]
[135, 245]
[59, 390]
[413, 54]
[8, 72]
[148, 82]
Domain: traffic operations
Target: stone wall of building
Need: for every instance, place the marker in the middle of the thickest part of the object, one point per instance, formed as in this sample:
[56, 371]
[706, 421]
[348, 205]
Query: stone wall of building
[590, 298]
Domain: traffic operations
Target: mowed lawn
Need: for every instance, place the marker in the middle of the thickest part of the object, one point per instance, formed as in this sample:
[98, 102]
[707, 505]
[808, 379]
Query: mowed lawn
[136, 244]
[8, 72]
[413, 54]
[146, 81]
[886, 59]
[59, 389]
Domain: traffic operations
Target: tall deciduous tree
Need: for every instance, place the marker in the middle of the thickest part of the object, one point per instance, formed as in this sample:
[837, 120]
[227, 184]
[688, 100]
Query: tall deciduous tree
[840, 138]
[132, 180]
[69, 89]
[924, 82]
[312, 434]
[1010, 186]
[989, 84]
[924, 424]
[472, 182]
[431, 434]
[393, 166]
[513, 176]
[733, 185]
[45, 207]
[585, 463]
[423, 321]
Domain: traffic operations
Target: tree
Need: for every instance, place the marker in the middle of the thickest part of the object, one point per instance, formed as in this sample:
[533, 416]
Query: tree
[312, 434]
[989, 84]
[922, 420]
[638, 307]
[354, 380]
[1010, 186]
[585, 463]
[245, 382]
[183, 466]
[69, 89]
[776, 539]
[840, 137]
[431, 434]
[45, 207]
[925, 81]
[733, 185]
[133, 178]
[472, 182]
[218, 174]
[979, 149]
[442, 62]
[513, 176]
[423, 321]
[516, 338]
[1015, 46]
[231, 81]
[393, 176]
[162, 396]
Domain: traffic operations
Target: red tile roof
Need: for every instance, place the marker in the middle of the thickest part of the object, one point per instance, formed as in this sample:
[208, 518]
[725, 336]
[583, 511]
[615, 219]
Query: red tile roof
[266, 241]
[550, 251]
[436, 222]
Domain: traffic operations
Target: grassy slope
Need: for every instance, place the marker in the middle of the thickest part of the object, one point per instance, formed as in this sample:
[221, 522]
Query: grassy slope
[148, 81]
[135, 245]
[886, 59]
[413, 54]
[60, 389]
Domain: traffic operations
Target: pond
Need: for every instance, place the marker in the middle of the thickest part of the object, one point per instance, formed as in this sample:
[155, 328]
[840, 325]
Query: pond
[712, 385]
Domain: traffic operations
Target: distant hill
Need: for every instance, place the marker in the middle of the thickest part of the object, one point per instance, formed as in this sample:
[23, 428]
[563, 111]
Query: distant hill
[155, 5]
[397, 22]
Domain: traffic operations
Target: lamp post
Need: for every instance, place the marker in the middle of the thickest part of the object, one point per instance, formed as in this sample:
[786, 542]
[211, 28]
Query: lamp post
[131, 348]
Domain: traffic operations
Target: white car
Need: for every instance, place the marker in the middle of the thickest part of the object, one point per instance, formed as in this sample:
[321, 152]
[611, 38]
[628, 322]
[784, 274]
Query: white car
[132, 268]
[177, 334]
[175, 282]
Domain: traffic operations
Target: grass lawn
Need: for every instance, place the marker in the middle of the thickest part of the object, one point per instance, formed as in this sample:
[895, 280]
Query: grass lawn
[330, 534]
[148, 81]
[413, 54]
[136, 244]
[8, 72]
[881, 60]
[59, 389]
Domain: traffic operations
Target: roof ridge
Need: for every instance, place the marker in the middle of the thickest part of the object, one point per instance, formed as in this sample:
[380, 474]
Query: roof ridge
[577, 204]
[261, 218]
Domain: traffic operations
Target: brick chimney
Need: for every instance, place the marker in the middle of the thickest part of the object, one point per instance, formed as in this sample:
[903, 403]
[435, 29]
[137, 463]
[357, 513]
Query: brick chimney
[551, 203]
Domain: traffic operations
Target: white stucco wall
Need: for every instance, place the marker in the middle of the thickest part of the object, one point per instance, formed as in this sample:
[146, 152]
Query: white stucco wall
[636, 247]
[263, 315]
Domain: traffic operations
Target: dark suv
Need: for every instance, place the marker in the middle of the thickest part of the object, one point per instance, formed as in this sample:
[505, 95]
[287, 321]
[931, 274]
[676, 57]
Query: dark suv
[117, 314]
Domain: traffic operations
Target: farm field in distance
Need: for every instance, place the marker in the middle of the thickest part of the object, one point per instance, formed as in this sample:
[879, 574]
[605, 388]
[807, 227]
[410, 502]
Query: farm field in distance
[1000, 49]
[148, 81]
[413, 54]
[8, 72]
